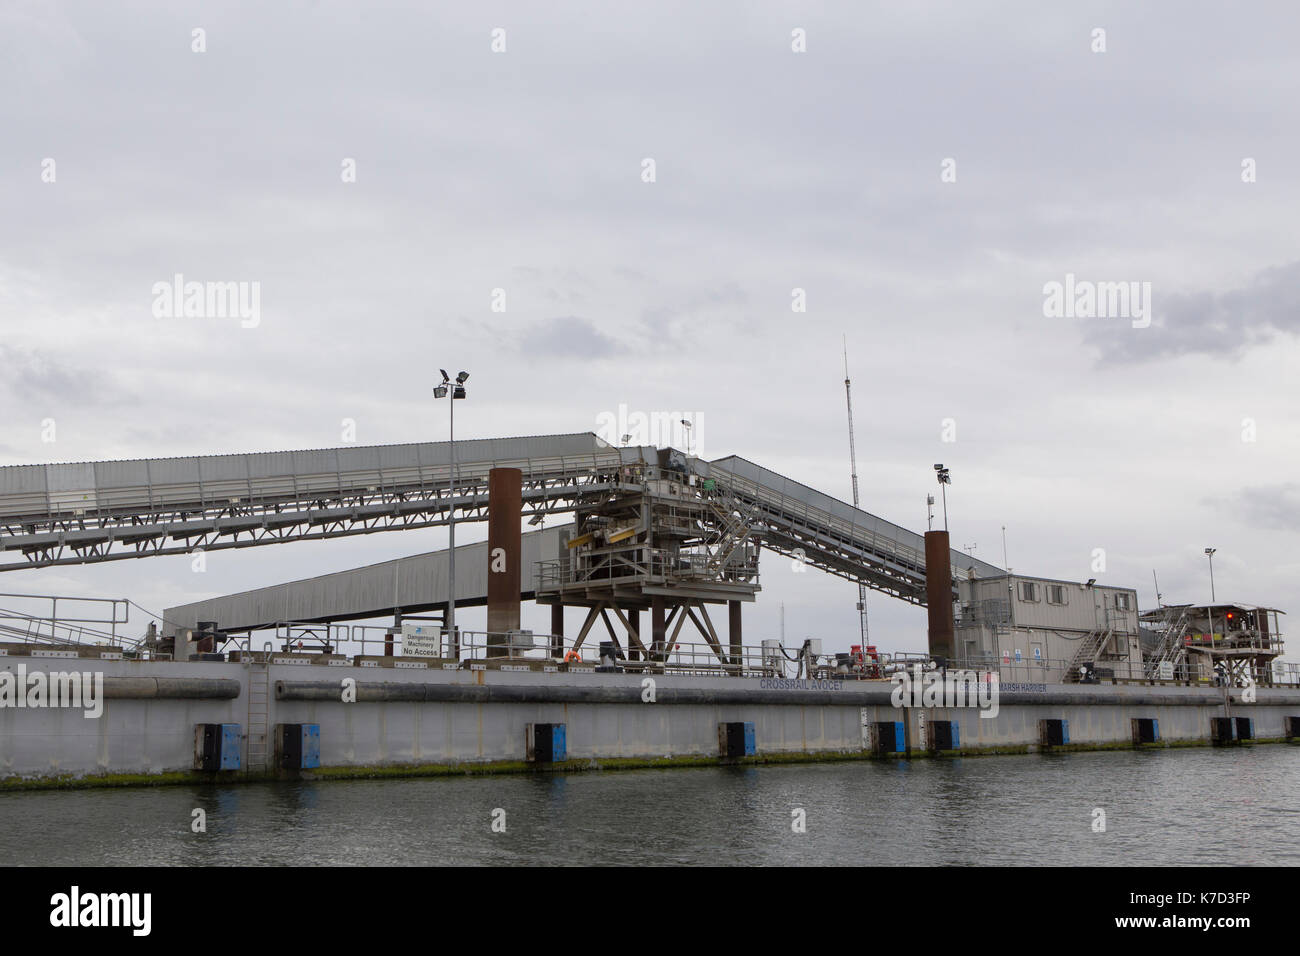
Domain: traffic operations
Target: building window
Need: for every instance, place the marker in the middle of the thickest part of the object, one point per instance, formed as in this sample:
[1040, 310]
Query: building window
[1123, 602]
[1056, 594]
[1028, 591]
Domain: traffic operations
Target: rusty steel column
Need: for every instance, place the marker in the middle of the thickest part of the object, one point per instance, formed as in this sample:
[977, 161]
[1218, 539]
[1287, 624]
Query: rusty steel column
[938, 594]
[505, 510]
[634, 623]
[557, 630]
[733, 630]
[658, 631]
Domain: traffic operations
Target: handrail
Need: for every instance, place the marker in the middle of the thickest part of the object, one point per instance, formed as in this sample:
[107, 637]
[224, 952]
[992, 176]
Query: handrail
[1171, 646]
[77, 631]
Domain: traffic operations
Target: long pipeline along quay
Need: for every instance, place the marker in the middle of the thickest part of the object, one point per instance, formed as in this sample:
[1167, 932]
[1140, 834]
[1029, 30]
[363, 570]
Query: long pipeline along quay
[360, 721]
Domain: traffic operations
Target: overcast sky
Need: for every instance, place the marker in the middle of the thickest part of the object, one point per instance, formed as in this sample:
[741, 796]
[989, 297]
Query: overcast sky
[774, 170]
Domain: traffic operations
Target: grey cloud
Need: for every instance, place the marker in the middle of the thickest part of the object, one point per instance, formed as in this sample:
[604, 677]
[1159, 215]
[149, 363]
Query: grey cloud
[669, 326]
[35, 375]
[1223, 324]
[568, 336]
[1269, 507]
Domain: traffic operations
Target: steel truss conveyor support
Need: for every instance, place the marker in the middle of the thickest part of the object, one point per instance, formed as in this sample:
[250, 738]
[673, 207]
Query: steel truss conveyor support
[105, 511]
[826, 533]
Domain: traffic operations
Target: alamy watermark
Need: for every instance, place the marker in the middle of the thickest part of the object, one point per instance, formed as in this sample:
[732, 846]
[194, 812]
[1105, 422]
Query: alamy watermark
[74, 909]
[1085, 299]
[42, 689]
[662, 429]
[179, 299]
[922, 688]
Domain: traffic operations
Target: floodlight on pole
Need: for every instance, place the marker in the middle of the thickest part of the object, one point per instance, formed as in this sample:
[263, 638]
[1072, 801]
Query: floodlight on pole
[1209, 553]
[451, 392]
[945, 479]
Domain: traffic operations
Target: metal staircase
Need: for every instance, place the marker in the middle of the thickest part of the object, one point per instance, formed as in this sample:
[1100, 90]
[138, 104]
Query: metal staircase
[1090, 648]
[1171, 647]
[733, 532]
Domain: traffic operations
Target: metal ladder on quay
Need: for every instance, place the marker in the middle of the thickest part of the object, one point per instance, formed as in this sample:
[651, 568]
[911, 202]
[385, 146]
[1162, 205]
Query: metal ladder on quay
[259, 680]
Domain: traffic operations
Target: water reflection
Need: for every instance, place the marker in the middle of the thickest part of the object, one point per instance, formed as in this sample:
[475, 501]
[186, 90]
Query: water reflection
[1162, 807]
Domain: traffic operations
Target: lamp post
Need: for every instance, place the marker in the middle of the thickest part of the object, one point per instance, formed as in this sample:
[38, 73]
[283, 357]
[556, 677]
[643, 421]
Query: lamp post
[451, 391]
[686, 424]
[1209, 553]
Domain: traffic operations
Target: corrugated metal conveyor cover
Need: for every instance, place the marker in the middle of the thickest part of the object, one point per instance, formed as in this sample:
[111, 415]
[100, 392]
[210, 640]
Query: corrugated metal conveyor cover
[793, 490]
[414, 583]
[165, 484]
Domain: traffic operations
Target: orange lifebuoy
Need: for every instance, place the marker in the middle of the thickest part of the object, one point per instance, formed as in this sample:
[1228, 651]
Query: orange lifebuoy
[573, 657]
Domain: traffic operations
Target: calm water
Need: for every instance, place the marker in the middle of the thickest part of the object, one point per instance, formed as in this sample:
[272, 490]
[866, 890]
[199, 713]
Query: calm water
[1201, 806]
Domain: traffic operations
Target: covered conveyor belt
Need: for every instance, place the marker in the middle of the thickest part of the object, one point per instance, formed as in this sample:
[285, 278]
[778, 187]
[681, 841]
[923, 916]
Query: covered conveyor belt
[411, 585]
[831, 535]
[102, 511]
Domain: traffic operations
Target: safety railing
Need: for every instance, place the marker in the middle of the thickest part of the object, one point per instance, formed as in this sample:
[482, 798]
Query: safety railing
[702, 658]
[1285, 674]
[626, 565]
[1244, 639]
[468, 648]
[299, 636]
[471, 648]
[1046, 670]
[49, 624]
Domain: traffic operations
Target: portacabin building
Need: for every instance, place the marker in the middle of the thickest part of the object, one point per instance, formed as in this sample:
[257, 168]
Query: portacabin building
[1048, 630]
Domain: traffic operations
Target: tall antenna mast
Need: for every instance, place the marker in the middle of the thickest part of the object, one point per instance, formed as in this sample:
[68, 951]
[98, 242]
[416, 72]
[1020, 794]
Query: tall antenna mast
[853, 471]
